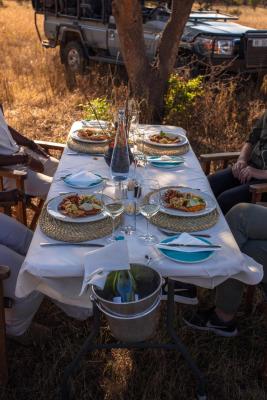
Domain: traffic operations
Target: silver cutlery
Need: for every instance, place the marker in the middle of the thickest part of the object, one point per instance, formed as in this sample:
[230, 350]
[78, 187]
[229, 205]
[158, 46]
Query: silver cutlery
[204, 235]
[85, 154]
[46, 244]
[205, 246]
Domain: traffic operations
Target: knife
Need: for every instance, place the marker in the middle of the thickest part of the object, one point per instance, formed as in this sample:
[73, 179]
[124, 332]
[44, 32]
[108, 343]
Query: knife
[205, 246]
[45, 244]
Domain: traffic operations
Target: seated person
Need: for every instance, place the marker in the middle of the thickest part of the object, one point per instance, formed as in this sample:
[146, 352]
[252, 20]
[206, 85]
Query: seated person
[15, 240]
[231, 185]
[17, 149]
[245, 222]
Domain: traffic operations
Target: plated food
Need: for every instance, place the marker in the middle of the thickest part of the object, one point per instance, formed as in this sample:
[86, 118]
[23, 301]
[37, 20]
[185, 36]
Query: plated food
[183, 201]
[93, 134]
[165, 138]
[80, 205]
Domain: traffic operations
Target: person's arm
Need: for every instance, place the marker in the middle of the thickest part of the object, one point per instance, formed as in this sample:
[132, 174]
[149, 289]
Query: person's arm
[19, 138]
[250, 172]
[13, 159]
[242, 160]
[23, 141]
[25, 159]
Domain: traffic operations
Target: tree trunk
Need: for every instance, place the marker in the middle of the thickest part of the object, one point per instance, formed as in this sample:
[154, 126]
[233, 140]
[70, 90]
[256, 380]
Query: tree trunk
[148, 82]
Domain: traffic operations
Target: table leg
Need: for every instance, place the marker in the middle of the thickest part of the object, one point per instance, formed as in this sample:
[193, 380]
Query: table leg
[89, 345]
[201, 391]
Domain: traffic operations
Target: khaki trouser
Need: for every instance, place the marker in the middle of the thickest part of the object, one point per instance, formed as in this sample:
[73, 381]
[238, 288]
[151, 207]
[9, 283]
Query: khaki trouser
[248, 223]
[37, 184]
[15, 240]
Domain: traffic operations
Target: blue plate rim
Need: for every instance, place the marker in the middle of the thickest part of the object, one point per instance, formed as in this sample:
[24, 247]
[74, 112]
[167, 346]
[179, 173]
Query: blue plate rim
[93, 185]
[167, 240]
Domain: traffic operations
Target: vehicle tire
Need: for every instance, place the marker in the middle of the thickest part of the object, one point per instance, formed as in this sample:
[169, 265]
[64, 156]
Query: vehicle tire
[74, 58]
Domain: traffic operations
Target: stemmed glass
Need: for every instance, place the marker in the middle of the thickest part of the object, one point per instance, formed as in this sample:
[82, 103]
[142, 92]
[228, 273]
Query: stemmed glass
[112, 202]
[148, 205]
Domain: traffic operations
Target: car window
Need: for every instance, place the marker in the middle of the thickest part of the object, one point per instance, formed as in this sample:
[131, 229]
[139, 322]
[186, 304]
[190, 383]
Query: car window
[91, 9]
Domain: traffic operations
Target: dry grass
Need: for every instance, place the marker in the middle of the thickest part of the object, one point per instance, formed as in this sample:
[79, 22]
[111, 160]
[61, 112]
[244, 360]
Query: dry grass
[37, 102]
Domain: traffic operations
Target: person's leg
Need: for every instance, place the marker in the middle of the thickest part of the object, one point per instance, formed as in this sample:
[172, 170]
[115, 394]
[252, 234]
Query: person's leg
[20, 315]
[246, 222]
[50, 166]
[229, 198]
[222, 180]
[14, 235]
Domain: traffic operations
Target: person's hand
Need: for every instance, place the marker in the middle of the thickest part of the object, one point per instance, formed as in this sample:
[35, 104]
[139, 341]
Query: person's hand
[237, 168]
[14, 195]
[38, 149]
[35, 165]
[246, 174]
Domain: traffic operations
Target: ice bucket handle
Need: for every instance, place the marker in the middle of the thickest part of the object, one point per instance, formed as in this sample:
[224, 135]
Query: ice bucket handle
[126, 317]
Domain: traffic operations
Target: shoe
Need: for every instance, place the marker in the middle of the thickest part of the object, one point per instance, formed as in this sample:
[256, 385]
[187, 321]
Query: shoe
[36, 334]
[183, 292]
[209, 321]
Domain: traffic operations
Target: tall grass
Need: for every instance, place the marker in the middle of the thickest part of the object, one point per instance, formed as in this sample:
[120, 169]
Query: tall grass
[37, 101]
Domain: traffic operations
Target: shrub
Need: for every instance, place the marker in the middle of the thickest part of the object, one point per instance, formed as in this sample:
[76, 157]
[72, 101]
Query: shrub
[181, 96]
[98, 108]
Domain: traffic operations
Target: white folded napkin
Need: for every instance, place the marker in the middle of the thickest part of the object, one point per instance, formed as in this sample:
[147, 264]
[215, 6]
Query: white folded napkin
[186, 238]
[83, 178]
[166, 159]
[99, 263]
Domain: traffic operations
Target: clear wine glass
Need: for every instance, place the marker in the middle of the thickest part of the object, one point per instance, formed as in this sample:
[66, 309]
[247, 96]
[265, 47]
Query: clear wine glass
[148, 205]
[112, 201]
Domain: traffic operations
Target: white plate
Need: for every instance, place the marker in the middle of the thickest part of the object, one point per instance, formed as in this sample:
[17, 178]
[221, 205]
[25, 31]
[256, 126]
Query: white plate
[52, 209]
[183, 140]
[75, 136]
[210, 203]
[89, 124]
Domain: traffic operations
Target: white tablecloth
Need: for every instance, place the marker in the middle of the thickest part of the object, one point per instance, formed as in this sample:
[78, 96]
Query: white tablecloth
[58, 271]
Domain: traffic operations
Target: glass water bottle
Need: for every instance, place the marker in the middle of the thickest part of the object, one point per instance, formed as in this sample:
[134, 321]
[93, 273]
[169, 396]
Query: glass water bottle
[120, 161]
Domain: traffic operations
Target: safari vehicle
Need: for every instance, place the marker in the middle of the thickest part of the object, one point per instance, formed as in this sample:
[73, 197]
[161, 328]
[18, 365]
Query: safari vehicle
[86, 30]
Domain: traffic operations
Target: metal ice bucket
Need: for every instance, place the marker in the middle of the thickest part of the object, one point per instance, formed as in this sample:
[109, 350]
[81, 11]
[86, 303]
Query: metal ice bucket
[134, 321]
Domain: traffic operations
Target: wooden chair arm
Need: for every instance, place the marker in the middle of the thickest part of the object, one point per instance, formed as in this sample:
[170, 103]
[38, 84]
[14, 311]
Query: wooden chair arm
[51, 145]
[224, 158]
[257, 190]
[4, 272]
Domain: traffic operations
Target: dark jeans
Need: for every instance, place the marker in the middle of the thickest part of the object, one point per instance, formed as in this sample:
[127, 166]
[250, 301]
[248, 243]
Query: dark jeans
[228, 190]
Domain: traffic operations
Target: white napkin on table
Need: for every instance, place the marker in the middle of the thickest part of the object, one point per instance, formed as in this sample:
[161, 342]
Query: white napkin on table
[99, 263]
[85, 178]
[168, 159]
[185, 238]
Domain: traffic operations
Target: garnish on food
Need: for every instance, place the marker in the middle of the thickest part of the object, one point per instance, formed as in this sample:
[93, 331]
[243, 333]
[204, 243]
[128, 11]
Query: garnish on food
[82, 205]
[164, 138]
[188, 202]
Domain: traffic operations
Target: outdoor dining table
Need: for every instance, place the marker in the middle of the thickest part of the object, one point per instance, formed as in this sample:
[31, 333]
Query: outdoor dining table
[58, 271]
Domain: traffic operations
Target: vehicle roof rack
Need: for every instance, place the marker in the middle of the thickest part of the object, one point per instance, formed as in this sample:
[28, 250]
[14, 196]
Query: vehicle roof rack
[210, 15]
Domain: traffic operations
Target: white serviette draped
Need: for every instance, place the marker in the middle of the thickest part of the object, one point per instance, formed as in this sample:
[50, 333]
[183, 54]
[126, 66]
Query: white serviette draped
[186, 239]
[99, 263]
[84, 178]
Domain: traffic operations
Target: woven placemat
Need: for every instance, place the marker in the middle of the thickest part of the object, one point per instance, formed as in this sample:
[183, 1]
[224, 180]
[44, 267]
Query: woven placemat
[151, 150]
[83, 147]
[75, 232]
[184, 224]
